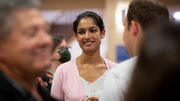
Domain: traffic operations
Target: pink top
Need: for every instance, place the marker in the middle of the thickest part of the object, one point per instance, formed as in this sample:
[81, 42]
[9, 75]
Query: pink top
[67, 83]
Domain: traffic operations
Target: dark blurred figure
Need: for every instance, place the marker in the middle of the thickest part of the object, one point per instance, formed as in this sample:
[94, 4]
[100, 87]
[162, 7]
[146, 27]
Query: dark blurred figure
[157, 73]
[25, 50]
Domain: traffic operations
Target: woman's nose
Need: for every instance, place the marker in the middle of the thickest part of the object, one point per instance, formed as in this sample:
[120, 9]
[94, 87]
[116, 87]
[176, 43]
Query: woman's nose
[87, 35]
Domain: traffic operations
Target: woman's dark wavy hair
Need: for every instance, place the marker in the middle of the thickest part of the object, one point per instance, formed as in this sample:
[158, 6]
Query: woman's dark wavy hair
[89, 14]
[57, 39]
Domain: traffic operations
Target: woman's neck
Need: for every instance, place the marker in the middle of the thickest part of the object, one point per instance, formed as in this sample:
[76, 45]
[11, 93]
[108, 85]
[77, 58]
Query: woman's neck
[90, 58]
[54, 65]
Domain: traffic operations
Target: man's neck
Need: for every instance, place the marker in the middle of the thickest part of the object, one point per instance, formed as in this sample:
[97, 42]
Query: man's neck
[26, 81]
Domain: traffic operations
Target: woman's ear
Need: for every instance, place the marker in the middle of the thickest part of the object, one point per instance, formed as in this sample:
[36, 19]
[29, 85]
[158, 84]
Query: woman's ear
[75, 34]
[102, 34]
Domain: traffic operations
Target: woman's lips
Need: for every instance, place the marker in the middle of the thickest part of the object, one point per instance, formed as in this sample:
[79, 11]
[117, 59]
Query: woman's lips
[88, 43]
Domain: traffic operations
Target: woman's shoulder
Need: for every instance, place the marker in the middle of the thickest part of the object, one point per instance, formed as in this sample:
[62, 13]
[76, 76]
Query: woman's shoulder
[110, 63]
[67, 70]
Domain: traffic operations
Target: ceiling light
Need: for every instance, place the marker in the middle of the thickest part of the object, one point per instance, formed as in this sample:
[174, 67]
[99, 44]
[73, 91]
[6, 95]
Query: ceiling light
[177, 15]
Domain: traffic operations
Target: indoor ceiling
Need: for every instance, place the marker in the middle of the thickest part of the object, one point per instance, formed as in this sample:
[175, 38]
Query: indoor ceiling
[173, 5]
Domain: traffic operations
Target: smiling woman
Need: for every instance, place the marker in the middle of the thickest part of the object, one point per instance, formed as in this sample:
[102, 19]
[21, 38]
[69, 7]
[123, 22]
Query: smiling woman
[87, 71]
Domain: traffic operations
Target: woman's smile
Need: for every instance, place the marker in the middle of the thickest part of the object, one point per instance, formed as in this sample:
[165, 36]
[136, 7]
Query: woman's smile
[88, 43]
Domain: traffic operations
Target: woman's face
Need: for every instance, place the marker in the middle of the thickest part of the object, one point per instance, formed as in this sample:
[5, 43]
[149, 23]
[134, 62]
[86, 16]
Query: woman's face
[89, 35]
[55, 55]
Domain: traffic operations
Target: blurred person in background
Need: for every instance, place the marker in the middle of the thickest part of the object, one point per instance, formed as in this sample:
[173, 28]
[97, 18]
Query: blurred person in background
[156, 75]
[25, 50]
[60, 55]
[141, 15]
[82, 78]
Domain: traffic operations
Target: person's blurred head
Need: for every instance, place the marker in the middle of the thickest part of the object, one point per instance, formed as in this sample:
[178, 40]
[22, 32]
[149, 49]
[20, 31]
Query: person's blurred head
[58, 41]
[156, 75]
[89, 30]
[25, 45]
[60, 49]
[141, 15]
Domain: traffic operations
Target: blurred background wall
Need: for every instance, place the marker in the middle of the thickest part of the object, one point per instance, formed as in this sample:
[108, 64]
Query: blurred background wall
[61, 14]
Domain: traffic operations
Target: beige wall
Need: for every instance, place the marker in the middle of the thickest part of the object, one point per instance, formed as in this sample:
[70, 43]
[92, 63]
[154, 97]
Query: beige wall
[72, 4]
[81, 4]
[113, 10]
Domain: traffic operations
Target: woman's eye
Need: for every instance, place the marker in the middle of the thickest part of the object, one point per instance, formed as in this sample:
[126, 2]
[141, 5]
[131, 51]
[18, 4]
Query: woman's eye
[93, 31]
[81, 32]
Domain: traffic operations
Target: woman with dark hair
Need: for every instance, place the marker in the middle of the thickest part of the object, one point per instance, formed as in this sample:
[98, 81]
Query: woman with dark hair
[60, 55]
[82, 78]
[60, 52]
[157, 73]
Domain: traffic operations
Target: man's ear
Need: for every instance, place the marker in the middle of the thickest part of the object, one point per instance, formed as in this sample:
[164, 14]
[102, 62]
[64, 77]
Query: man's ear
[135, 28]
[102, 34]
